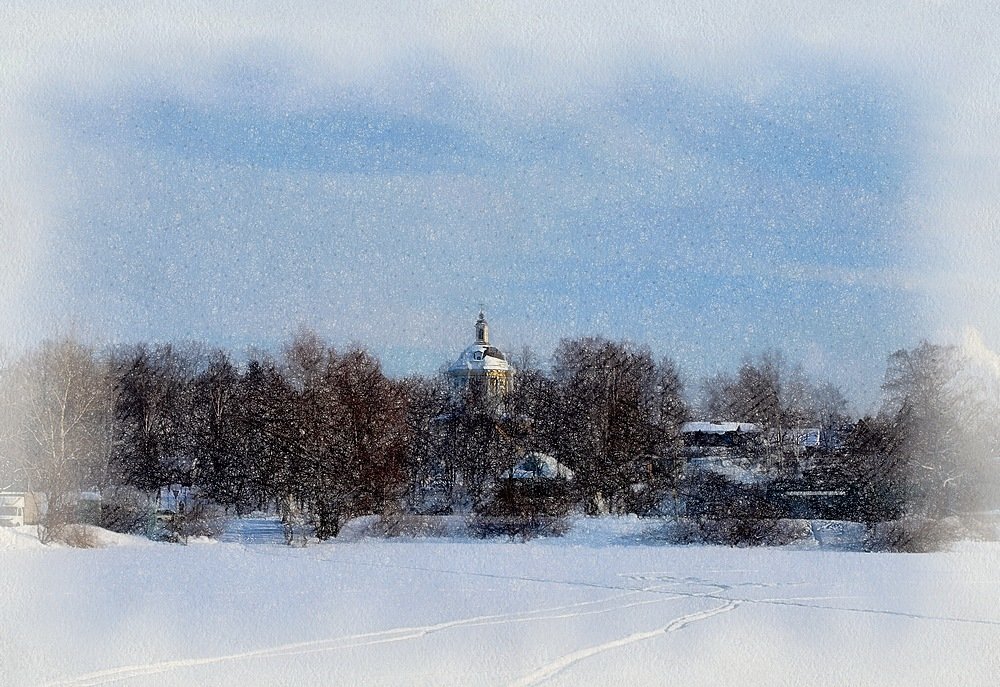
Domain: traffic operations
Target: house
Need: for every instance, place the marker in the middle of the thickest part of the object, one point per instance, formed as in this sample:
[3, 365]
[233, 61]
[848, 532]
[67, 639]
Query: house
[536, 465]
[726, 434]
[18, 508]
[729, 449]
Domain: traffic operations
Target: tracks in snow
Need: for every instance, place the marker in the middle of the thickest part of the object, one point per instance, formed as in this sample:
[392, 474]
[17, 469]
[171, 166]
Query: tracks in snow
[564, 662]
[581, 609]
[668, 587]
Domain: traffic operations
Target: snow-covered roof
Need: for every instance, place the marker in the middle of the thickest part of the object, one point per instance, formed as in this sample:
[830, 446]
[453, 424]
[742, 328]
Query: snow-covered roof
[727, 469]
[10, 498]
[808, 437]
[720, 427]
[535, 465]
[479, 357]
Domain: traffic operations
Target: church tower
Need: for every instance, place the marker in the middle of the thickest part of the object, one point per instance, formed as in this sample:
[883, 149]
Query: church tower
[482, 330]
[481, 367]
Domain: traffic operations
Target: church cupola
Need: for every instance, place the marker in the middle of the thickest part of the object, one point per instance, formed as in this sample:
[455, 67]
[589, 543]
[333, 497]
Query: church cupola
[482, 368]
[482, 330]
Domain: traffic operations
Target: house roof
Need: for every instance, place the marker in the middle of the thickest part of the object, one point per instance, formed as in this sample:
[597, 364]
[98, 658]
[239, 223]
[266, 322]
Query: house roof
[720, 427]
[535, 465]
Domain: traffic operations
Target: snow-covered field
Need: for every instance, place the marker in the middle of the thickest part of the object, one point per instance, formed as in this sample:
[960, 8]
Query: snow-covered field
[590, 608]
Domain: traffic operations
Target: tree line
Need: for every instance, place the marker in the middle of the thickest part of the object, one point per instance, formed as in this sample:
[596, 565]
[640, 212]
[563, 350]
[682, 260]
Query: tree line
[322, 436]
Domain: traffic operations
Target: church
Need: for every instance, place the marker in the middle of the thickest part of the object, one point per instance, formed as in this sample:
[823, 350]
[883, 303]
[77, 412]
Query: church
[482, 368]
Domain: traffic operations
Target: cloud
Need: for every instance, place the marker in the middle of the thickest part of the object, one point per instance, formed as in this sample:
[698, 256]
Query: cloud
[849, 145]
[979, 354]
[350, 137]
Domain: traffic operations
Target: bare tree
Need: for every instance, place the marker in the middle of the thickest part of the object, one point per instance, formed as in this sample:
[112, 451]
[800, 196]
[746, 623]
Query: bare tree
[779, 397]
[932, 417]
[265, 432]
[10, 427]
[304, 486]
[153, 416]
[372, 431]
[608, 410]
[875, 471]
[61, 399]
[349, 455]
[220, 467]
[427, 465]
[766, 390]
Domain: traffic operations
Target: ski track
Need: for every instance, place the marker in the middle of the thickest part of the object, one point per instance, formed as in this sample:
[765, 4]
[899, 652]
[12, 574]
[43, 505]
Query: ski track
[795, 601]
[792, 601]
[666, 591]
[365, 639]
[560, 664]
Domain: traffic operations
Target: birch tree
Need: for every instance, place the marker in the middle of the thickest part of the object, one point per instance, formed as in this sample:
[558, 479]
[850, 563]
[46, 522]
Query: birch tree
[61, 397]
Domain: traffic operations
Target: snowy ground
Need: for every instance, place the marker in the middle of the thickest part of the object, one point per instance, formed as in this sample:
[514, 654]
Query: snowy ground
[585, 609]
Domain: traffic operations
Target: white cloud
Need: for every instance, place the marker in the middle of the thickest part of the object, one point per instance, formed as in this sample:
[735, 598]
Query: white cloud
[528, 59]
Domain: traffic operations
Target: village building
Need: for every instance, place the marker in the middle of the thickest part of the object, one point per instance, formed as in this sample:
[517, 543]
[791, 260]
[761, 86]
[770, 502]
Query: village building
[482, 369]
[724, 448]
[18, 508]
[719, 434]
[535, 465]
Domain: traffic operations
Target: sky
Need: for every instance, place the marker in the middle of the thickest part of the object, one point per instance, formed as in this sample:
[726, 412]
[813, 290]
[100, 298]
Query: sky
[710, 181]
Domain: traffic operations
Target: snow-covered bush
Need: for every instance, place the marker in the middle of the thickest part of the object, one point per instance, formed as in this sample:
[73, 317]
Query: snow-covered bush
[524, 509]
[126, 512]
[922, 535]
[974, 527]
[77, 536]
[737, 531]
[523, 527]
[197, 518]
[910, 535]
[757, 532]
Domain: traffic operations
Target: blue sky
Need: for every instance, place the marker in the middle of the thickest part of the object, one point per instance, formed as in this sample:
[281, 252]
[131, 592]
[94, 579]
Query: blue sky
[709, 208]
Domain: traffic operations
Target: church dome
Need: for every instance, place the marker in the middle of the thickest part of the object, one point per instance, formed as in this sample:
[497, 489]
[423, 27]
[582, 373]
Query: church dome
[482, 361]
[481, 357]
